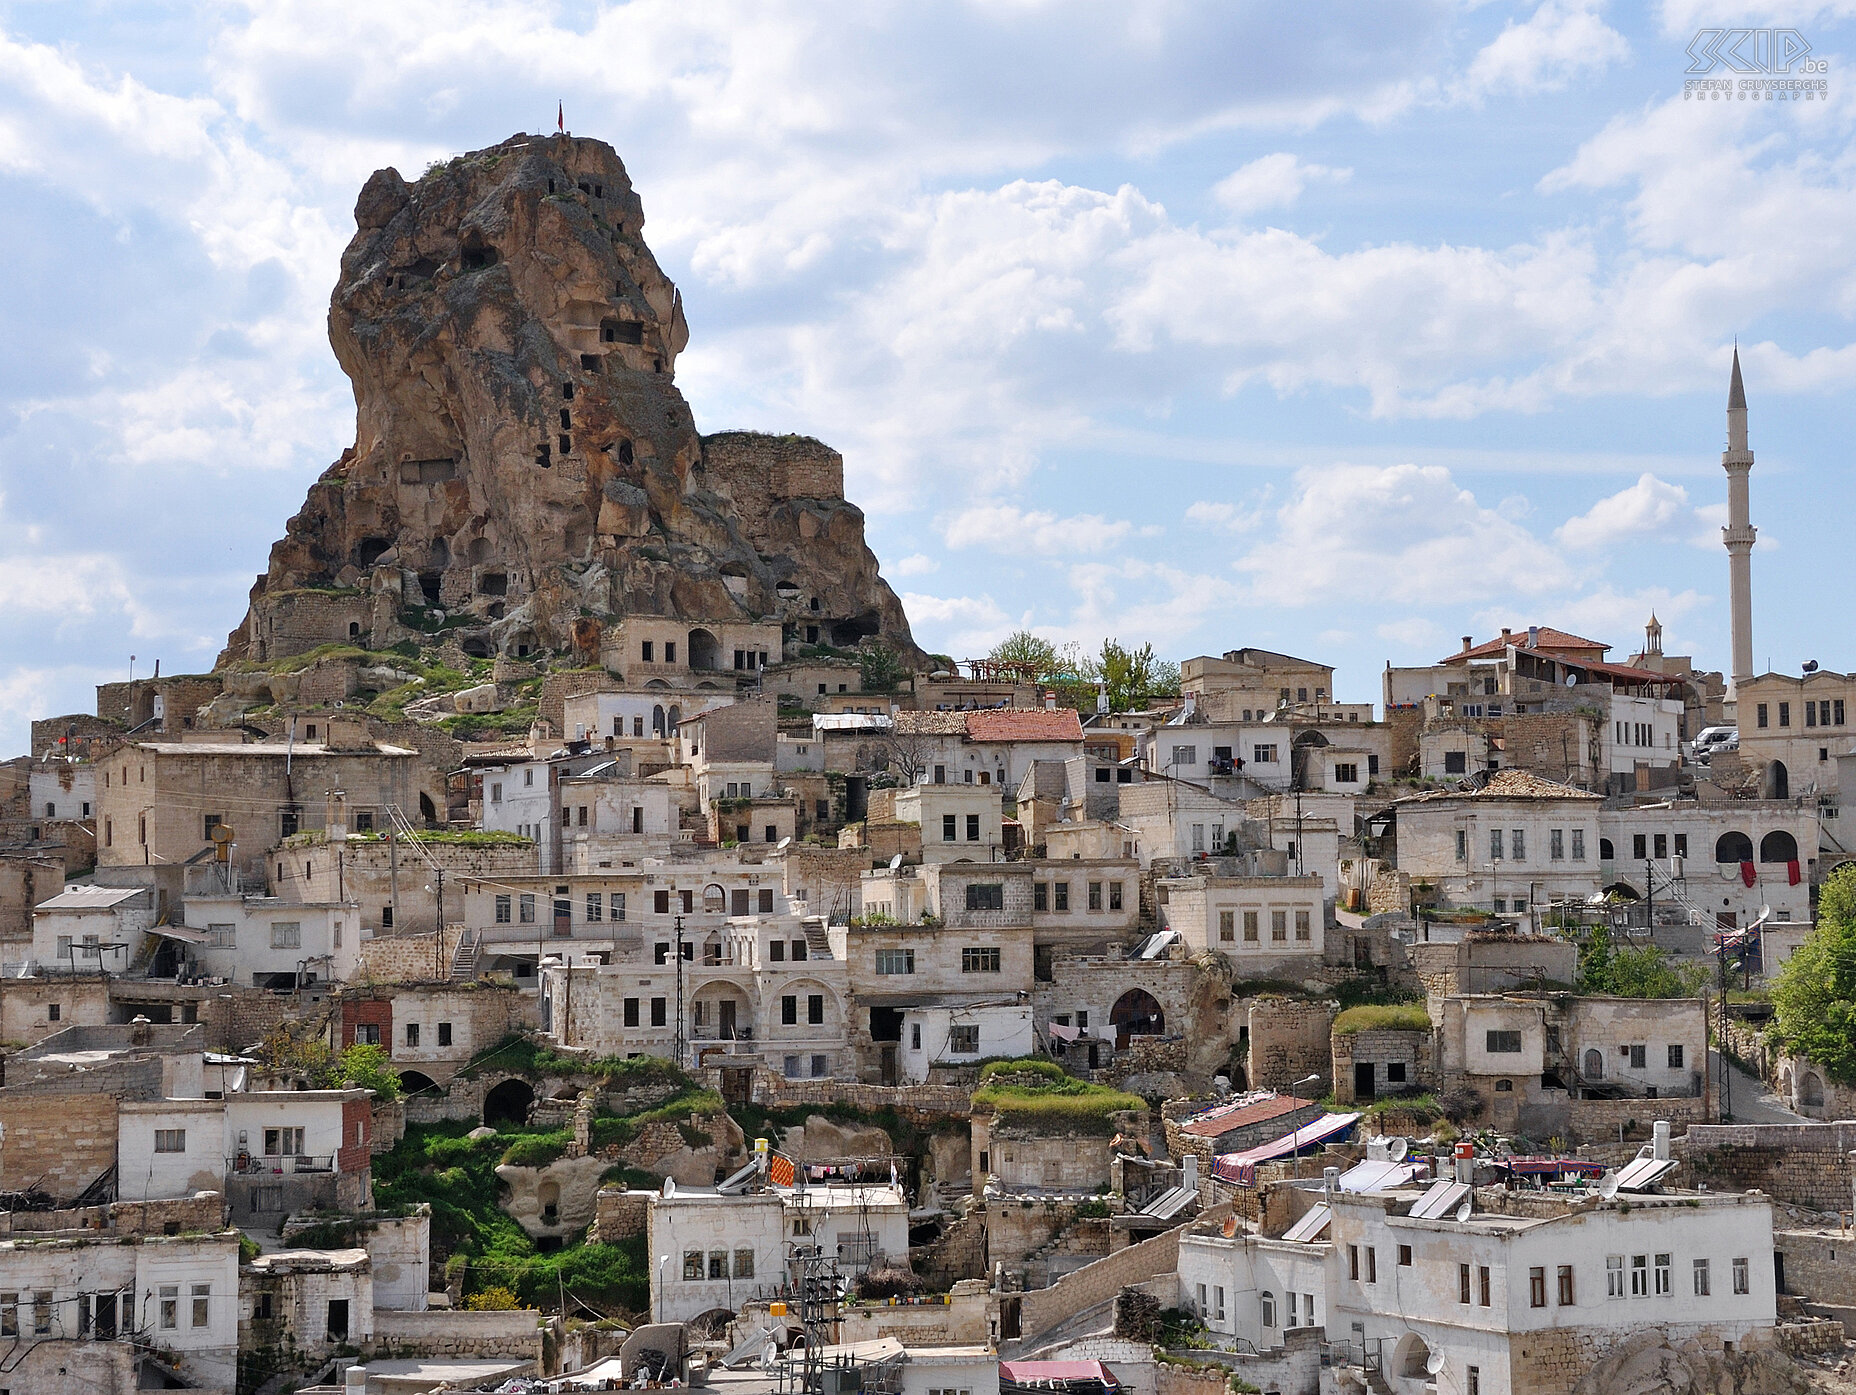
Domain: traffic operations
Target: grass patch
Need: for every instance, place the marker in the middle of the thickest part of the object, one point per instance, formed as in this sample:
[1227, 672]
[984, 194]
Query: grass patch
[520, 1055]
[537, 1149]
[1382, 1017]
[615, 1131]
[1037, 1094]
[472, 1236]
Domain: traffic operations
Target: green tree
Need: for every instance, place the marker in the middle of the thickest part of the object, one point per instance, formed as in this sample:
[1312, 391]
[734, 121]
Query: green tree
[1037, 654]
[1814, 997]
[1633, 971]
[879, 667]
[1132, 675]
[371, 1068]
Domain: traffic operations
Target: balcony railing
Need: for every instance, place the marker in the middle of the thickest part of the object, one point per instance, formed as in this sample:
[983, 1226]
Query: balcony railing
[279, 1164]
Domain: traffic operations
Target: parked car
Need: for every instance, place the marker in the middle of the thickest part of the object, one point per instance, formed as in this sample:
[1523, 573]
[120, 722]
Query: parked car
[1712, 739]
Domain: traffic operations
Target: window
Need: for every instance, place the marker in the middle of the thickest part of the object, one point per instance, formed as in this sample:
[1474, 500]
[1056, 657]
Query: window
[1095, 896]
[1462, 842]
[1639, 1055]
[9, 1314]
[1462, 1283]
[1741, 1277]
[895, 961]
[985, 896]
[1639, 1276]
[1353, 1263]
[1263, 755]
[286, 934]
[1456, 762]
[1250, 926]
[1761, 716]
[1372, 1265]
[815, 1008]
[744, 1264]
[1703, 1286]
[412, 1033]
[170, 1140]
[1556, 845]
[692, 1265]
[1578, 845]
[1675, 1058]
[595, 907]
[1495, 845]
[1504, 1042]
[799, 951]
[1785, 714]
[776, 951]
[1218, 1304]
[53, 1011]
[202, 1303]
[1663, 1269]
[221, 936]
[502, 910]
[973, 828]
[1474, 1384]
[1060, 896]
[658, 1012]
[1114, 896]
[1395, 1072]
[789, 1009]
[1040, 896]
[367, 1034]
[525, 907]
[915, 1036]
[1347, 774]
[963, 1039]
[1304, 930]
[1565, 1285]
[1227, 926]
[1279, 925]
[1537, 1287]
[1517, 840]
[1269, 1310]
[1482, 1284]
[979, 960]
[631, 1012]
[821, 1065]
[170, 1308]
[1614, 1276]
[1404, 1261]
[444, 1034]
[1660, 845]
[950, 828]
[1185, 755]
[1290, 1321]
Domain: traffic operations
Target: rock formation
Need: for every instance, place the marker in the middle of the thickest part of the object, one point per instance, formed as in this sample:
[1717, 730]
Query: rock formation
[525, 473]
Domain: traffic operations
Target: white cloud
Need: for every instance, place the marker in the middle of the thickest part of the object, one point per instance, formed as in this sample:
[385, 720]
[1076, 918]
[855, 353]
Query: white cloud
[1414, 632]
[1406, 534]
[1008, 528]
[1561, 42]
[1648, 507]
[1273, 181]
[958, 625]
[1211, 513]
[915, 564]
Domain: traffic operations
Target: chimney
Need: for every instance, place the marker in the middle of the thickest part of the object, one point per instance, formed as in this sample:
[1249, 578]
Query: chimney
[1050, 702]
[1469, 642]
[1507, 635]
[1330, 1182]
[139, 1033]
[1533, 636]
[1659, 1140]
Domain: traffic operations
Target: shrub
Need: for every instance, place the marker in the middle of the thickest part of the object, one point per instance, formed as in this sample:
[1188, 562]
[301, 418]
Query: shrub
[1400, 1017]
[1037, 1094]
[495, 1299]
[537, 1150]
[371, 1068]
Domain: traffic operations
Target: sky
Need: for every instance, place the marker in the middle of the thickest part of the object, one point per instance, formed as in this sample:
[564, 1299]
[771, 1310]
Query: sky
[1345, 330]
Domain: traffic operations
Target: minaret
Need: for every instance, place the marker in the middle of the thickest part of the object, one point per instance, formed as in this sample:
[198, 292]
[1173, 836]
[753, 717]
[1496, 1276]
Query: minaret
[1739, 533]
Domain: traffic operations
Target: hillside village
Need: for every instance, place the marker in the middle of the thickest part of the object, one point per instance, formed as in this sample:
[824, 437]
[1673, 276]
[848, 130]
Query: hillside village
[576, 939]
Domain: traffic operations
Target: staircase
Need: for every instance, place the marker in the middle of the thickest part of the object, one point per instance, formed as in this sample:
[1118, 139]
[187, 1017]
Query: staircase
[464, 957]
[818, 946]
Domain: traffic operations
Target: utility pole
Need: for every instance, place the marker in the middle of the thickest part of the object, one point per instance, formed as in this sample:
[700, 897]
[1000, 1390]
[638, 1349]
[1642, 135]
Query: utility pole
[681, 1045]
[1649, 897]
[393, 869]
[438, 940]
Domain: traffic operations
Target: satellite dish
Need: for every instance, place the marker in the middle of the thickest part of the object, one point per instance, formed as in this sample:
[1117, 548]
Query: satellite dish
[895, 862]
[1465, 1211]
[783, 844]
[1608, 1185]
[1230, 1226]
[1434, 1362]
[1397, 1149]
[1572, 680]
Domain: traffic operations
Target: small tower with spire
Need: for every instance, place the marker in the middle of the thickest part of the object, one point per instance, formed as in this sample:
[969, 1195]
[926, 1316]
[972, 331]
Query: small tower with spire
[1653, 636]
[1739, 534]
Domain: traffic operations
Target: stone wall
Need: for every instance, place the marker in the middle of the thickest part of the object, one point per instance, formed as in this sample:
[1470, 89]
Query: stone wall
[239, 1018]
[961, 1252]
[1289, 1039]
[619, 1214]
[1798, 1164]
[1381, 1048]
[447, 1332]
[774, 1091]
[1818, 1265]
[407, 958]
[556, 688]
[60, 1143]
[1044, 1309]
[1601, 1119]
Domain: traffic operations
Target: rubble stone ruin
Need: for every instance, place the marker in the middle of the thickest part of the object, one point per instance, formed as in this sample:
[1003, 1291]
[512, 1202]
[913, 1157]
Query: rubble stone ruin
[523, 459]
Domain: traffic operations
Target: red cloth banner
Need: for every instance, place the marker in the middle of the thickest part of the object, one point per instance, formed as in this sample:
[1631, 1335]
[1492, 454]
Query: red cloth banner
[1748, 872]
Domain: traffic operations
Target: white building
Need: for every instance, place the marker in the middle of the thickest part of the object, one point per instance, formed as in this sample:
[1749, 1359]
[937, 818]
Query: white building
[63, 790]
[267, 942]
[97, 929]
[950, 1035]
[1264, 924]
[1517, 840]
[959, 823]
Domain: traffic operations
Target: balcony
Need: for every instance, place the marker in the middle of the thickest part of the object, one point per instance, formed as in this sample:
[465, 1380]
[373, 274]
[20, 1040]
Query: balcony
[279, 1165]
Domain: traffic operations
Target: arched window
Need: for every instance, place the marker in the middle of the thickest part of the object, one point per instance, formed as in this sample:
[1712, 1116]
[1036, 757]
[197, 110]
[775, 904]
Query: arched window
[1733, 847]
[1604, 850]
[1778, 846]
[1269, 1309]
[675, 717]
[657, 720]
[1594, 1064]
[1777, 783]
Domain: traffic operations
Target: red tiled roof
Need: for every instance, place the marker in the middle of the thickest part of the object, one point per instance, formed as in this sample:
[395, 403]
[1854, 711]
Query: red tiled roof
[1550, 638]
[1024, 724]
[1222, 1121]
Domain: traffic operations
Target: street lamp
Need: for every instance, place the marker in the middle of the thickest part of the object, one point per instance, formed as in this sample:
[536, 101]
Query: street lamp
[662, 1260]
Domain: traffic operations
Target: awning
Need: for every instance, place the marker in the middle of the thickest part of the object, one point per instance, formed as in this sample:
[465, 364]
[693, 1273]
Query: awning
[1551, 1167]
[181, 933]
[1240, 1169]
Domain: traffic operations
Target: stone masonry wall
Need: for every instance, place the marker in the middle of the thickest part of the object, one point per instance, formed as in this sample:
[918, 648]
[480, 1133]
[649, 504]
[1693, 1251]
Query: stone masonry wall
[1289, 1039]
[1821, 1267]
[60, 1143]
[1799, 1164]
[1097, 1283]
[406, 958]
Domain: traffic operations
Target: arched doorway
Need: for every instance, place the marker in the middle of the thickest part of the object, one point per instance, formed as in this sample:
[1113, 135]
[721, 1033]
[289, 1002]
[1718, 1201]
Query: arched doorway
[1594, 1064]
[1410, 1356]
[1811, 1090]
[508, 1103]
[1776, 783]
[428, 811]
[1778, 846]
[1734, 848]
[1605, 851]
[1136, 1014]
[705, 652]
[417, 1082]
